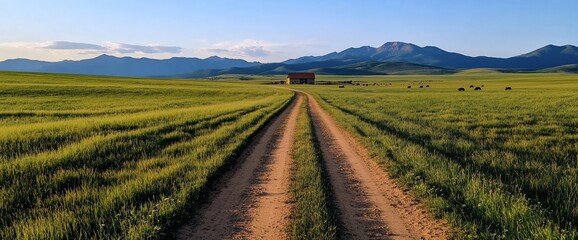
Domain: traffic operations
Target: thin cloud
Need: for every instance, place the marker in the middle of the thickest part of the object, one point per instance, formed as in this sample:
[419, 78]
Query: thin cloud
[259, 50]
[247, 48]
[109, 48]
[60, 50]
[250, 51]
[254, 51]
[148, 49]
[65, 45]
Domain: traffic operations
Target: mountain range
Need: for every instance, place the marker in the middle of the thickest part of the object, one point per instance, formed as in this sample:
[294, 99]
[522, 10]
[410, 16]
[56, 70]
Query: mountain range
[405, 58]
[545, 57]
[390, 58]
[124, 66]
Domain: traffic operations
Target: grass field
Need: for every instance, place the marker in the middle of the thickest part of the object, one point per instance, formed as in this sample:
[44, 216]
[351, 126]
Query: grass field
[313, 216]
[496, 163]
[116, 158]
[103, 157]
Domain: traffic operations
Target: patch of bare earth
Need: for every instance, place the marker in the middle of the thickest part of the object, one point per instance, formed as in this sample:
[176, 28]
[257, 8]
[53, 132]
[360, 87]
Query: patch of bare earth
[370, 204]
[252, 201]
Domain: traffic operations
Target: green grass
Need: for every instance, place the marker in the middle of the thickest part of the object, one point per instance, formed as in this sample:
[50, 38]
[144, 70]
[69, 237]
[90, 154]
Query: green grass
[495, 163]
[312, 214]
[105, 158]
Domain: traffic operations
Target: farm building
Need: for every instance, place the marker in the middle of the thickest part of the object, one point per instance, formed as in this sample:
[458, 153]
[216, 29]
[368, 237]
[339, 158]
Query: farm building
[301, 78]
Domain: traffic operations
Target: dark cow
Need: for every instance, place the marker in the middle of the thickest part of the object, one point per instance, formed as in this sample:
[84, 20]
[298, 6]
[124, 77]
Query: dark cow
[408, 86]
[341, 86]
[478, 88]
[426, 85]
[508, 88]
[420, 86]
[471, 86]
[461, 89]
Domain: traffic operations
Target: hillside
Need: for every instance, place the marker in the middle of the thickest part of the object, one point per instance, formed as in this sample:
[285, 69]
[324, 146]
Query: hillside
[570, 68]
[330, 67]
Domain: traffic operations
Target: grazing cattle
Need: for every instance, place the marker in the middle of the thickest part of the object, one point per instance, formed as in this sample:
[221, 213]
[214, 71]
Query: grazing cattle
[508, 88]
[482, 85]
[420, 86]
[426, 85]
[408, 86]
[471, 86]
[478, 88]
[341, 86]
[461, 89]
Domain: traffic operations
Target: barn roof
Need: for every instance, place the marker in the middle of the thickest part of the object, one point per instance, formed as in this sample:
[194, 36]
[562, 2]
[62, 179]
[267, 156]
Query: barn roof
[301, 75]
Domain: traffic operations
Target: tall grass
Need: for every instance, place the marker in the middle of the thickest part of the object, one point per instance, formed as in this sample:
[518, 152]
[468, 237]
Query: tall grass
[498, 164]
[81, 170]
[313, 217]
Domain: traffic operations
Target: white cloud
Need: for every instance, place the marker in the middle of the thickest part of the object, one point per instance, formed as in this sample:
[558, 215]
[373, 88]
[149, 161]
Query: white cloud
[245, 49]
[64, 45]
[124, 48]
[249, 49]
[257, 50]
[59, 50]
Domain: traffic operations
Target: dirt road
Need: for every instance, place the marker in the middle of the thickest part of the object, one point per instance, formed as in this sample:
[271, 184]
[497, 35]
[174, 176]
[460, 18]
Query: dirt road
[252, 201]
[371, 205]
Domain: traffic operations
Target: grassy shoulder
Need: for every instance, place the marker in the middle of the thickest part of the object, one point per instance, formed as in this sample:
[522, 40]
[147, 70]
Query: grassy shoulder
[497, 164]
[312, 215]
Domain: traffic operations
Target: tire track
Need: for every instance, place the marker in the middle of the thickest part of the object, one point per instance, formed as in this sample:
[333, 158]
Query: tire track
[370, 204]
[252, 202]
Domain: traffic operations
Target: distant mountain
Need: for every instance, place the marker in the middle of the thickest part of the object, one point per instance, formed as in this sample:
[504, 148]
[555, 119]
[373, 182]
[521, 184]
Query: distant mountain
[390, 58]
[546, 57]
[124, 66]
[329, 67]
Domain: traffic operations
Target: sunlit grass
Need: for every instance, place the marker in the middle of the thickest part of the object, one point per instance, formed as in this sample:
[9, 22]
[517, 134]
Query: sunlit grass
[117, 158]
[496, 163]
[313, 217]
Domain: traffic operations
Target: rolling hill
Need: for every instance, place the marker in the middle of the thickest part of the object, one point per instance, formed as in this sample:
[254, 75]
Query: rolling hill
[570, 68]
[329, 67]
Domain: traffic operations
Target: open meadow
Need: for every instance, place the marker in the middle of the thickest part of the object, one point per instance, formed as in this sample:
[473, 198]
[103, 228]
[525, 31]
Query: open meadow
[495, 163]
[115, 158]
[126, 158]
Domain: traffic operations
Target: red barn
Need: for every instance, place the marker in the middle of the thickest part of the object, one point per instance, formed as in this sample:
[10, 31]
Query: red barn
[301, 78]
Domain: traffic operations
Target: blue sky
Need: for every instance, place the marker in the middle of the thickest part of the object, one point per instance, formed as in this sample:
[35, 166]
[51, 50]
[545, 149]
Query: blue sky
[277, 30]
